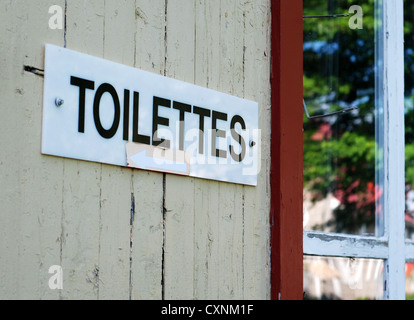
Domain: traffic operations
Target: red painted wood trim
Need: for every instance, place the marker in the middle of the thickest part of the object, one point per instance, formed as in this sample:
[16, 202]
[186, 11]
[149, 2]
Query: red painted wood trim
[287, 150]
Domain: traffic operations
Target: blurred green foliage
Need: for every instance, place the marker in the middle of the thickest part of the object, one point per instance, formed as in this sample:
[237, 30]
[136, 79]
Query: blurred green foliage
[340, 71]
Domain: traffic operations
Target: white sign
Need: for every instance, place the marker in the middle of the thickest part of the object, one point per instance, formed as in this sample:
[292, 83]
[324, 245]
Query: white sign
[101, 111]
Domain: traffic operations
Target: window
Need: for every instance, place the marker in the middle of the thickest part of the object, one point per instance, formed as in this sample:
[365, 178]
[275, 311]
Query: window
[409, 143]
[354, 150]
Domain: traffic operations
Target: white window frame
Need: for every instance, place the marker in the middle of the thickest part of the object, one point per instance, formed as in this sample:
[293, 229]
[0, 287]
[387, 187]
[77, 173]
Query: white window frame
[392, 247]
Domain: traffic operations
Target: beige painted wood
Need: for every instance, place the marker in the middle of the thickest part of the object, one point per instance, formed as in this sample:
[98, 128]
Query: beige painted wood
[120, 233]
[147, 232]
[206, 196]
[116, 199]
[257, 19]
[82, 194]
[29, 228]
[120, 270]
[179, 191]
[227, 253]
[231, 215]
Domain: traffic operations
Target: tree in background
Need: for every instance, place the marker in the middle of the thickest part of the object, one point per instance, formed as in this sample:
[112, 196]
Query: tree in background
[339, 72]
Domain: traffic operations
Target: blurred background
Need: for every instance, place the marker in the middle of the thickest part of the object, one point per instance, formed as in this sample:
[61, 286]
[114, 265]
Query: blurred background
[343, 152]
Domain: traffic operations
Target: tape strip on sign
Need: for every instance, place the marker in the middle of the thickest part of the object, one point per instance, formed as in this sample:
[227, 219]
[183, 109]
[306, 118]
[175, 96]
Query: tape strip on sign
[102, 111]
[147, 157]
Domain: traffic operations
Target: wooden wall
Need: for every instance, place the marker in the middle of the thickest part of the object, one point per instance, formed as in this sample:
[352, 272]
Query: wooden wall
[120, 233]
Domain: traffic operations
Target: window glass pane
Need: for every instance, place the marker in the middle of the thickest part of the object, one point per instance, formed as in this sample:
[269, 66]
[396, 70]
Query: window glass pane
[409, 115]
[342, 152]
[326, 278]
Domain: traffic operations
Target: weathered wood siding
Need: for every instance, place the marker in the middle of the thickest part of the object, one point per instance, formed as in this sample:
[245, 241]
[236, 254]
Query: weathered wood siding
[120, 233]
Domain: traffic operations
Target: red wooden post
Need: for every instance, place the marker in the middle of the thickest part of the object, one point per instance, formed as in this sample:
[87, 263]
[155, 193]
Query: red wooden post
[287, 150]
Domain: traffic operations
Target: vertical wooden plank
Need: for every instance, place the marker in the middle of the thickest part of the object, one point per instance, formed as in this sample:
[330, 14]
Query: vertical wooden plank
[147, 187]
[257, 200]
[150, 46]
[207, 44]
[206, 230]
[81, 203]
[80, 229]
[179, 191]
[115, 202]
[30, 197]
[206, 196]
[114, 254]
[119, 31]
[179, 238]
[231, 225]
[147, 237]
[231, 230]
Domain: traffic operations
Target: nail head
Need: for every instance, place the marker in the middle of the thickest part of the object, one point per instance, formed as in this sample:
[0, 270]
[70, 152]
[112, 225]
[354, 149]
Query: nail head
[59, 102]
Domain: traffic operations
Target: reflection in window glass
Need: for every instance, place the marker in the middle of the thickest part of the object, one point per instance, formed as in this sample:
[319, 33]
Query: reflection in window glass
[409, 116]
[327, 278]
[342, 155]
[409, 280]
